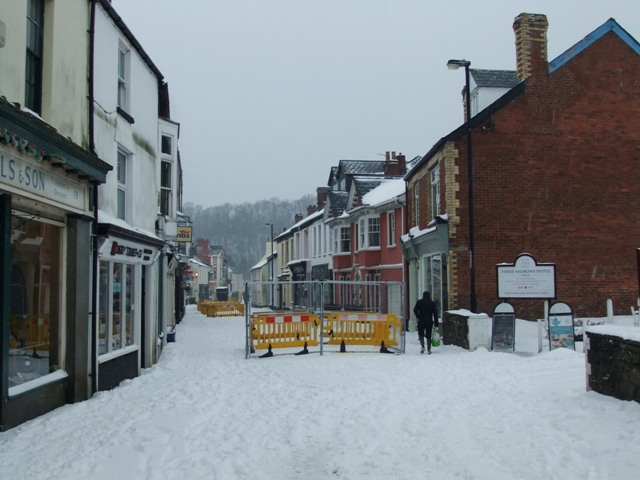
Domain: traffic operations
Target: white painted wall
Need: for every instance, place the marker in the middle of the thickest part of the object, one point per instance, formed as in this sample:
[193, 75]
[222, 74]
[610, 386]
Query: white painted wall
[65, 63]
[140, 139]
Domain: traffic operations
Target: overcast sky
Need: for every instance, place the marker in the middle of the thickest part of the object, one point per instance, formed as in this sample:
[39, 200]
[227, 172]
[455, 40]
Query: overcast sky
[271, 93]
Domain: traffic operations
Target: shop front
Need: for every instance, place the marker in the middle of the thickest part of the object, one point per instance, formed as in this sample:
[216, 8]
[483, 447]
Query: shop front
[129, 334]
[46, 186]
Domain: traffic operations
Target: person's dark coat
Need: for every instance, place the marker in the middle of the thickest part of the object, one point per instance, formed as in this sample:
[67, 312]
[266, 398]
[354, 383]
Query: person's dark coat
[425, 310]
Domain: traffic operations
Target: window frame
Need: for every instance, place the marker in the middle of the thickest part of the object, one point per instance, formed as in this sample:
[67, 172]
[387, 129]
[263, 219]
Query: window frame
[124, 67]
[122, 173]
[416, 203]
[434, 190]
[166, 191]
[391, 229]
[34, 56]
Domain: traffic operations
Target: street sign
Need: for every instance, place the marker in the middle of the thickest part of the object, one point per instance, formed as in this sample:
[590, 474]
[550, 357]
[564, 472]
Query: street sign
[186, 277]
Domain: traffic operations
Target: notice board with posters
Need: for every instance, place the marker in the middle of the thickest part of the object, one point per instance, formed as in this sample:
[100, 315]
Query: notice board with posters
[561, 332]
[503, 332]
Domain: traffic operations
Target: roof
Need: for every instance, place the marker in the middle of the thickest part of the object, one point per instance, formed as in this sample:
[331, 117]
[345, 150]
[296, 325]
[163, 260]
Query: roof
[609, 26]
[337, 201]
[494, 78]
[361, 167]
[364, 185]
[387, 190]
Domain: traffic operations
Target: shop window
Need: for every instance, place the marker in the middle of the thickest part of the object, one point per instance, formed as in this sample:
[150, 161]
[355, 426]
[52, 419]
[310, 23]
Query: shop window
[116, 306]
[35, 300]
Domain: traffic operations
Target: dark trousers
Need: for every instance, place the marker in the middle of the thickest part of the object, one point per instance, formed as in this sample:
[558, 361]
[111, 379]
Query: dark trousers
[425, 329]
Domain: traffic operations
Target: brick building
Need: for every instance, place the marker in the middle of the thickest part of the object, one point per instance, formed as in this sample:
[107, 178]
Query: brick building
[555, 172]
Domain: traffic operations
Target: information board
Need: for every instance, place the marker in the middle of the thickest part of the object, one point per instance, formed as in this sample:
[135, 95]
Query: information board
[526, 279]
[503, 332]
[561, 332]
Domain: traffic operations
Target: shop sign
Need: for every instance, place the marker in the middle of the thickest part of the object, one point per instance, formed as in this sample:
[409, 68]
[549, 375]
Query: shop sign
[24, 176]
[184, 234]
[526, 278]
[123, 251]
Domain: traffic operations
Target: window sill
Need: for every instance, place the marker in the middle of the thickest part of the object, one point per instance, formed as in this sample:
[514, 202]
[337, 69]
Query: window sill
[125, 115]
[368, 249]
[117, 353]
[38, 382]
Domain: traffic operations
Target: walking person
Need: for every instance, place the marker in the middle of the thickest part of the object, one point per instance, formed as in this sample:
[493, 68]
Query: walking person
[427, 315]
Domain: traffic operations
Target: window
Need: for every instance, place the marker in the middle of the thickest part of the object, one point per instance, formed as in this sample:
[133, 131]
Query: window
[35, 27]
[165, 187]
[416, 203]
[368, 232]
[35, 299]
[374, 232]
[166, 145]
[122, 184]
[435, 191]
[116, 298]
[345, 240]
[123, 78]
[391, 228]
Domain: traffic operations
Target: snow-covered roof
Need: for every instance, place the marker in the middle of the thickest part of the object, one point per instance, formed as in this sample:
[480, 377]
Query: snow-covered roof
[104, 217]
[387, 190]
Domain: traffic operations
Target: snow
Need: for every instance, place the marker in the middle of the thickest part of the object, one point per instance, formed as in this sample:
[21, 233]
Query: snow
[386, 191]
[206, 412]
[104, 217]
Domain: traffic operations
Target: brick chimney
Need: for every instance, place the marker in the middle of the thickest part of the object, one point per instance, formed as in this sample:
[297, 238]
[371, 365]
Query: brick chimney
[531, 45]
[395, 166]
[322, 196]
[297, 218]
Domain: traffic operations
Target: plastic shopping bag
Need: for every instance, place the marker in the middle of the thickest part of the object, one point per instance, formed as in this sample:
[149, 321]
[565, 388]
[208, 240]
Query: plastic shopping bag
[435, 338]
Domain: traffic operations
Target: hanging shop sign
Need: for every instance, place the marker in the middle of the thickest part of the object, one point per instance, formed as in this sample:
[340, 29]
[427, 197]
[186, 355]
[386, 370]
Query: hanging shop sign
[20, 174]
[526, 278]
[184, 234]
[117, 249]
[561, 327]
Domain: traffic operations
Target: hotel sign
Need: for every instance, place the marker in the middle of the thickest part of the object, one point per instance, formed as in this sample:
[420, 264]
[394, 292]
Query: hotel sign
[526, 278]
[18, 174]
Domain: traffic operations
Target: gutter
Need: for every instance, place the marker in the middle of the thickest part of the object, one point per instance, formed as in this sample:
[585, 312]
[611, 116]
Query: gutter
[94, 237]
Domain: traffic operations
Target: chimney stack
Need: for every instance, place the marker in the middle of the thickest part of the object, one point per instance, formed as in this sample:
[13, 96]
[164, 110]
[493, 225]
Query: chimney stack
[396, 166]
[297, 218]
[322, 196]
[531, 45]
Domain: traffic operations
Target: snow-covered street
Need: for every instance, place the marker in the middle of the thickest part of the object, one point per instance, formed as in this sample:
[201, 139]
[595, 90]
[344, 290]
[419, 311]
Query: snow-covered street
[206, 412]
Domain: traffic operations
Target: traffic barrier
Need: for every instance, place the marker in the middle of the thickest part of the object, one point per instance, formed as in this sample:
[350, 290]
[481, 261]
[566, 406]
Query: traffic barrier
[282, 330]
[355, 328]
[212, 308]
[31, 332]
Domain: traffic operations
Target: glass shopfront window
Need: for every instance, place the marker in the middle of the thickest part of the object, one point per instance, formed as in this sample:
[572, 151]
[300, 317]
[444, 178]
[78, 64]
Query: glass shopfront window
[35, 299]
[116, 306]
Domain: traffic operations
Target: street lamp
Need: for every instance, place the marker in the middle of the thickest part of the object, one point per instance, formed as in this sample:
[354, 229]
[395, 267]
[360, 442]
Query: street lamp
[273, 302]
[454, 65]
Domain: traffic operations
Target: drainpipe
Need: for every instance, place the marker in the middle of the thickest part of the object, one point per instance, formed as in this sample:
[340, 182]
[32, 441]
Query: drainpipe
[94, 242]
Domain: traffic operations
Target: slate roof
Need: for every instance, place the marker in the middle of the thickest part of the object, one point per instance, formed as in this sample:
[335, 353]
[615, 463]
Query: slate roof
[494, 78]
[337, 203]
[360, 167]
[364, 185]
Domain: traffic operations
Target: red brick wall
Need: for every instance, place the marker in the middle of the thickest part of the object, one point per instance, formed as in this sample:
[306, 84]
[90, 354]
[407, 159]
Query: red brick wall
[558, 178]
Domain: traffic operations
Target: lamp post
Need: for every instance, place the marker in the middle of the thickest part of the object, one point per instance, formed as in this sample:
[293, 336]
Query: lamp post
[273, 302]
[454, 65]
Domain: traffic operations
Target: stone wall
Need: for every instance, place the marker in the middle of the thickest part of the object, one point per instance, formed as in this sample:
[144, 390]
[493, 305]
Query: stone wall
[455, 330]
[613, 366]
